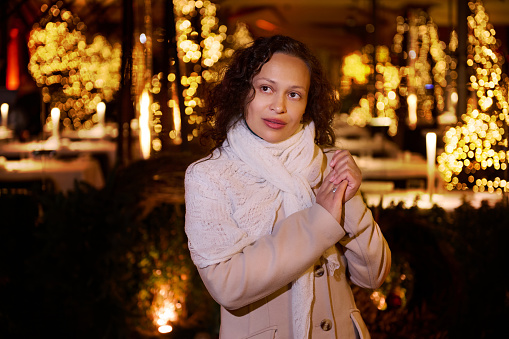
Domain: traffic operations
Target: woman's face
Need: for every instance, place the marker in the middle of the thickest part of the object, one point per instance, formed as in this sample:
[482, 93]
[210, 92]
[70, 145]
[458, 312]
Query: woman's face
[281, 94]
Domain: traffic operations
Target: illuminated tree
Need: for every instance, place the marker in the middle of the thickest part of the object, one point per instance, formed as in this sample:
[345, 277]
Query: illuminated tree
[424, 65]
[421, 74]
[74, 75]
[201, 44]
[476, 152]
[384, 102]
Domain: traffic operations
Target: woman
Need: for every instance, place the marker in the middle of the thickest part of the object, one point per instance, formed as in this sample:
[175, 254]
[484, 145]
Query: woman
[276, 226]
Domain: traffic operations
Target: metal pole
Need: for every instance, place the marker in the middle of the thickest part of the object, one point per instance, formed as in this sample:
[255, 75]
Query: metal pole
[178, 77]
[461, 107]
[126, 111]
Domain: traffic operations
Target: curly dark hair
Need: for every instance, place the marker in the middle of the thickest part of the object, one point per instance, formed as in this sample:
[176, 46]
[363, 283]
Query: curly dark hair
[226, 100]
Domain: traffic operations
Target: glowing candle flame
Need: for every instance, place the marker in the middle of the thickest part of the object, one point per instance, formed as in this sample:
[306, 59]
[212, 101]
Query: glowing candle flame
[145, 125]
[5, 112]
[412, 111]
[454, 97]
[55, 119]
[431, 147]
[101, 109]
[165, 329]
[178, 124]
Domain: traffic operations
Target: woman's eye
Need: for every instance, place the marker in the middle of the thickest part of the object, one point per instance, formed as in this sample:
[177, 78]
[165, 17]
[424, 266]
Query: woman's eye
[294, 95]
[265, 88]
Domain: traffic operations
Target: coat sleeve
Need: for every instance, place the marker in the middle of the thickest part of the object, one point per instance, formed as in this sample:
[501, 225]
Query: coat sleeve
[364, 246]
[264, 265]
[274, 260]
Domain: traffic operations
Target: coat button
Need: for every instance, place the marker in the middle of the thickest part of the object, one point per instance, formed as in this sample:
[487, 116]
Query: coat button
[326, 324]
[319, 271]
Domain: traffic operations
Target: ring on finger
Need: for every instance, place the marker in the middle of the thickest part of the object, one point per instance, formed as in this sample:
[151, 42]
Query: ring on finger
[334, 189]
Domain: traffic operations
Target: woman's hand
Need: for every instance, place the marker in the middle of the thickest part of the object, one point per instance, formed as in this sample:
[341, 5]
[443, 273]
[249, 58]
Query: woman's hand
[332, 197]
[344, 168]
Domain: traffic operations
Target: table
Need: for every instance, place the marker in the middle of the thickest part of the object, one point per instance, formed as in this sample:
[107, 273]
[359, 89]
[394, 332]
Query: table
[62, 173]
[377, 146]
[405, 171]
[107, 131]
[63, 148]
[5, 133]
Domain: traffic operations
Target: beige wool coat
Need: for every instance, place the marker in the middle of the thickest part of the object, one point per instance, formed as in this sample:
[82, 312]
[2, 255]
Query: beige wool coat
[254, 286]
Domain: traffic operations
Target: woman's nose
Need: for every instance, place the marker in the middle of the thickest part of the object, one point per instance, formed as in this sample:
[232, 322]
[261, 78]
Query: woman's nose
[279, 105]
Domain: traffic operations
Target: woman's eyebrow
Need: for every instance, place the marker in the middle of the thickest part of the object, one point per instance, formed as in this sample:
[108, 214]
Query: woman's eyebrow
[266, 79]
[273, 82]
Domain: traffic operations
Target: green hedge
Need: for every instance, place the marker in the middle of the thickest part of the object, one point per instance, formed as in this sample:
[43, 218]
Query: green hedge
[87, 265]
[457, 284]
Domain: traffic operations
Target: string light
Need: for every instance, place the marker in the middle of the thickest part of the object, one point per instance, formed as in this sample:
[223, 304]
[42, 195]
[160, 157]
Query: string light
[74, 75]
[354, 69]
[201, 47]
[384, 102]
[476, 150]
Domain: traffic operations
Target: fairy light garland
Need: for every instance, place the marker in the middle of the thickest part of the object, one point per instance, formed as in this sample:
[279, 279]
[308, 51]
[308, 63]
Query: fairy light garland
[476, 150]
[421, 76]
[384, 102]
[427, 63]
[200, 43]
[74, 76]
[201, 46]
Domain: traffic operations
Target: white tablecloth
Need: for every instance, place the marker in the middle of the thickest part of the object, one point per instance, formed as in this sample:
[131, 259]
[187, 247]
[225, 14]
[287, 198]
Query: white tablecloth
[393, 168]
[64, 147]
[5, 133]
[62, 173]
[364, 147]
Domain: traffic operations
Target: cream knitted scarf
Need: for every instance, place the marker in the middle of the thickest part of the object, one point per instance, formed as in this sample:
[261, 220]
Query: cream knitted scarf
[293, 167]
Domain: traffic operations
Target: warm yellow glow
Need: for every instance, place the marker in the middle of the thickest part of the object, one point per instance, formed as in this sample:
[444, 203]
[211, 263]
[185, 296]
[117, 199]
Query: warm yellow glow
[144, 125]
[55, 120]
[431, 146]
[165, 329]
[384, 102]
[427, 64]
[360, 115]
[4, 109]
[354, 68]
[381, 121]
[166, 313]
[379, 300]
[101, 110]
[476, 150]
[200, 42]
[164, 308]
[454, 97]
[412, 111]
[177, 123]
[73, 75]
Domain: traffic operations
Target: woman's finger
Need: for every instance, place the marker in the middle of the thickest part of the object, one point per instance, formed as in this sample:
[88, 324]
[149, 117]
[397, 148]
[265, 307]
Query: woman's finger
[340, 190]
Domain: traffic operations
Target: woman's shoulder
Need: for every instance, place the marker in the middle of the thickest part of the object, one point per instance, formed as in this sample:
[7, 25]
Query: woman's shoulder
[218, 164]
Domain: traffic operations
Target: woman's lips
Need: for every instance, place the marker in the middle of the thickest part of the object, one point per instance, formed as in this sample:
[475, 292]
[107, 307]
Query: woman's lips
[274, 123]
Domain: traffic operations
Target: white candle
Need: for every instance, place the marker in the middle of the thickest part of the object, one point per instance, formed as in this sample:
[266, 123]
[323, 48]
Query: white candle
[412, 111]
[177, 122]
[144, 123]
[101, 109]
[431, 147]
[55, 119]
[5, 112]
